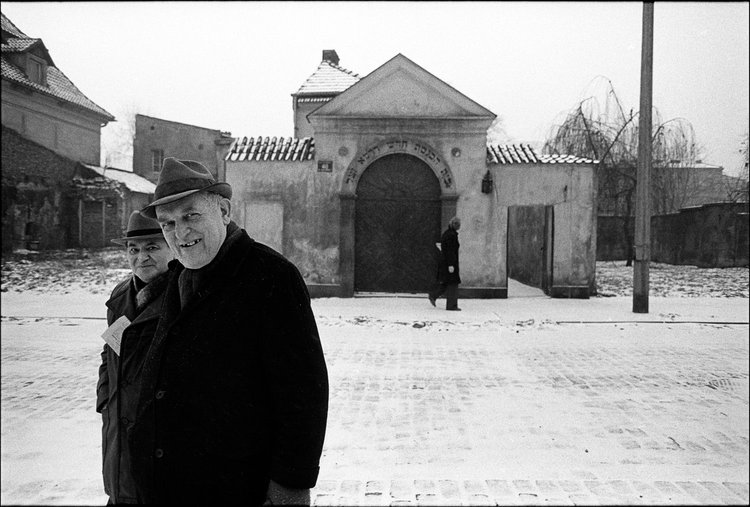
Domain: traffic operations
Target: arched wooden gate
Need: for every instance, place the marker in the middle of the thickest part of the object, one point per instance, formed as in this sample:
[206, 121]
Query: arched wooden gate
[397, 222]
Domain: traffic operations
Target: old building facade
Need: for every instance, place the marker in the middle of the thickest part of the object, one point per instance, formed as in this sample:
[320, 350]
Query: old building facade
[156, 138]
[359, 201]
[55, 195]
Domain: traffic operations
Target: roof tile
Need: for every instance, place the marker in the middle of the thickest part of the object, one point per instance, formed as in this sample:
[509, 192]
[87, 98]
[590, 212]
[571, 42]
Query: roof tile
[273, 149]
[524, 154]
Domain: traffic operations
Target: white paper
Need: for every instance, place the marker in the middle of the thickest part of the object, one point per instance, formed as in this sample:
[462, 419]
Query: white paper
[113, 334]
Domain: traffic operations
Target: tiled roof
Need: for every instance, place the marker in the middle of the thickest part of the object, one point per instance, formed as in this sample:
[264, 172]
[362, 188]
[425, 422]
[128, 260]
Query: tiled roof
[18, 45]
[524, 154]
[280, 149]
[329, 78]
[58, 85]
[8, 26]
[132, 181]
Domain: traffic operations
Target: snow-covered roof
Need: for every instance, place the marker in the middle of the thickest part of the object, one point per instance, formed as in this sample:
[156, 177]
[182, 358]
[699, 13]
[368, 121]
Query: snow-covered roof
[524, 154]
[280, 149]
[132, 181]
[329, 78]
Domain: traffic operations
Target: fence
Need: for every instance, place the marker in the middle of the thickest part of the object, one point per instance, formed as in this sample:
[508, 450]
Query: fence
[712, 235]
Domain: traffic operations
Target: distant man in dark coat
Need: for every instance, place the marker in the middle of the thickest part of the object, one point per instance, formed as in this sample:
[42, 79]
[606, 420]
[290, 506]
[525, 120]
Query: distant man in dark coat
[234, 401]
[134, 304]
[448, 272]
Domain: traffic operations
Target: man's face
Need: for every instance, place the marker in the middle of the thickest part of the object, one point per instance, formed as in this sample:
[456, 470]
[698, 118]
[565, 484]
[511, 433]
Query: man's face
[195, 228]
[148, 258]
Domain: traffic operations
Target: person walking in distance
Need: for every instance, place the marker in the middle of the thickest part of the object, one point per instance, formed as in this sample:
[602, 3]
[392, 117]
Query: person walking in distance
[448, 272]
[132, 314]
[234, 400]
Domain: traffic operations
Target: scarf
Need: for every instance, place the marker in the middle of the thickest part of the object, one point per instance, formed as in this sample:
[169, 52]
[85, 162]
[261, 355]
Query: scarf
[191, 280]
[147, 292]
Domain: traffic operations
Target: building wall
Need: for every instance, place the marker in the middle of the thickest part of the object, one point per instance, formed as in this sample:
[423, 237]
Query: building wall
[179, 140]
[305, 204]
[311, 206]
[35, 185]
[61, 127]
[712, 235]
[570, 189]
[302, 127]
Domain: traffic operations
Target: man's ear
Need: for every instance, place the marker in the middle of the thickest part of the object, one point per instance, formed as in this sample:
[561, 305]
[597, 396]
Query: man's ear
[226, 210]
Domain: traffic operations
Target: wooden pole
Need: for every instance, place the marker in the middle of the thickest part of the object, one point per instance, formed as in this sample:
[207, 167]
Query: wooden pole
[104, 221]
[643, 182]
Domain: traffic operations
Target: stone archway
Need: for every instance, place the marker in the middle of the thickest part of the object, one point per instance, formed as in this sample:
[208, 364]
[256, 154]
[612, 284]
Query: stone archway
[397, 222]
[349, 196]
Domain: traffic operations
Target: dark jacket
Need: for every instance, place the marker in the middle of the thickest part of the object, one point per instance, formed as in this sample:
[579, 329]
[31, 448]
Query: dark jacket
[119, 379]
[235, 386]
[449, 250]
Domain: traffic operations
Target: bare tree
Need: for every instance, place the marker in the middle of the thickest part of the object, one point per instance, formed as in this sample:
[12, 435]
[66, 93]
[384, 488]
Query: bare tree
[599, 127]
[117, 140]
[496, 133]
[738, 188]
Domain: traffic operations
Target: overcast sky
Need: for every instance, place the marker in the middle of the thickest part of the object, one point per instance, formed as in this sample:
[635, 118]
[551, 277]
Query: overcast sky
[232, 66]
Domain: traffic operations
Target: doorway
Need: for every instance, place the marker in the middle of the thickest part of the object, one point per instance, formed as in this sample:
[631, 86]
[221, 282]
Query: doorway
[397, 223]
[530, 249]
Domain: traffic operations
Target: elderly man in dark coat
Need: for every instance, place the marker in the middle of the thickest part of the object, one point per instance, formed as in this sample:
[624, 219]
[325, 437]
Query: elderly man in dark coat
[132, 314]
[448, 271]
[234, 400]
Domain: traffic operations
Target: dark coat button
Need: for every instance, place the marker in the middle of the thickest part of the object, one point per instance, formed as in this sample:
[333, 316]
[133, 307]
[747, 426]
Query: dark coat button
[160, 394]
[125, 421]
[159, 453]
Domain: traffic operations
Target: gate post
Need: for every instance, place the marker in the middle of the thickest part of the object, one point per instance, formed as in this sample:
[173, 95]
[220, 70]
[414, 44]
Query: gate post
[346, 244]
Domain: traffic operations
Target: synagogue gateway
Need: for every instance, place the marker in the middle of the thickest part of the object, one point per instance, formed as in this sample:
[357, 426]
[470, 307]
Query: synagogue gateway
[379, 164]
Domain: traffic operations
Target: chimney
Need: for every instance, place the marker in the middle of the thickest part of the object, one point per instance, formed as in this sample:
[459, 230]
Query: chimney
[331, 56]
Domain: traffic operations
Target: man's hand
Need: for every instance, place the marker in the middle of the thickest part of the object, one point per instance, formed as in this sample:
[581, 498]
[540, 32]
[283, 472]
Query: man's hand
[280, 495]
[450, 269]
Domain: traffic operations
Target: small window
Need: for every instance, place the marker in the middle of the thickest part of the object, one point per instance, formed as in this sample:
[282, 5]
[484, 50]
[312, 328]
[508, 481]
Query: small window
[35, 70]
[157, 158]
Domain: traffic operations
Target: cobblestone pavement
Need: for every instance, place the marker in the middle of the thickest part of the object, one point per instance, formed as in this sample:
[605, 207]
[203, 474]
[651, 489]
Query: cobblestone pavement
[568, 414]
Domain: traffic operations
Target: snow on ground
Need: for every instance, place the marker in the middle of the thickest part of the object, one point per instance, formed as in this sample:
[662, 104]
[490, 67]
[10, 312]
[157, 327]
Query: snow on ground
[98, 271]
[521, 389]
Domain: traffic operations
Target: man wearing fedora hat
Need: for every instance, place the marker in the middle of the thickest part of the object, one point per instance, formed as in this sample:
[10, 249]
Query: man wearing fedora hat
[132, 314]
[234, 399]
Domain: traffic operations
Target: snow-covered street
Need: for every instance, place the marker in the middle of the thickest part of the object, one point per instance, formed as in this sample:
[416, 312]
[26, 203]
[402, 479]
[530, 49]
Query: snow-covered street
[527, 400]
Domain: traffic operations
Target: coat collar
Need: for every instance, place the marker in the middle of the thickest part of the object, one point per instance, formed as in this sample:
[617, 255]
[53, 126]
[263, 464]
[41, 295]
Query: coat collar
[123, 302]
[222, 274]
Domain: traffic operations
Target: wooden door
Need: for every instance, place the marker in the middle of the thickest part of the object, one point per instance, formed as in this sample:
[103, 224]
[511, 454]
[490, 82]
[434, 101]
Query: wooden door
[397, 222]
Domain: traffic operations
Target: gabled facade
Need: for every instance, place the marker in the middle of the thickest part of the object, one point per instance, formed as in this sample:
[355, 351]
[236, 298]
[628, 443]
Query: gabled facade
[360, 202]
[42, 104]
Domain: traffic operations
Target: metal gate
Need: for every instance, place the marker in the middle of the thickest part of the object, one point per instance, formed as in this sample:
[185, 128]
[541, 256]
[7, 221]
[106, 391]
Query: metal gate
[397, 222]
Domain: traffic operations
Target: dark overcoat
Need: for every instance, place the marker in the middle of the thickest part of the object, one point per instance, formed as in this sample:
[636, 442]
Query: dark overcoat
[119, 380]
[235, 386]
[449, 257]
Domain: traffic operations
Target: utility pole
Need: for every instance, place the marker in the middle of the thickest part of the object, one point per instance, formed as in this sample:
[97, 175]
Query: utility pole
[643, 181]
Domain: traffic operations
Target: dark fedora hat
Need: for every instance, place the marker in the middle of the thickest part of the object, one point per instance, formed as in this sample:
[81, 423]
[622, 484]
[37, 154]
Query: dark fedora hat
[181, 178]
[140, 227]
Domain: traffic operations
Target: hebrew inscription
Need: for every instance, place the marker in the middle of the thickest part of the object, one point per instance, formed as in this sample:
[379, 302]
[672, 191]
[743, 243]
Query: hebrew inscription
[400, 146]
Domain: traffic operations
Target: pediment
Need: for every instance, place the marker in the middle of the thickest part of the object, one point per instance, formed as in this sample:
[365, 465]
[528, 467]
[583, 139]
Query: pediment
[402, 89]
